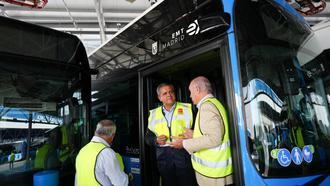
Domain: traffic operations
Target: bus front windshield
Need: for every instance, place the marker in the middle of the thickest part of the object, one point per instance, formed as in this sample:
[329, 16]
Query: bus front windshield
[285, 74]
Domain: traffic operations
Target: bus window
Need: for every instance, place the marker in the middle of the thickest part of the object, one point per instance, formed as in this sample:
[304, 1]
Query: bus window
[44, 102]
[118, 101]
[285, 95]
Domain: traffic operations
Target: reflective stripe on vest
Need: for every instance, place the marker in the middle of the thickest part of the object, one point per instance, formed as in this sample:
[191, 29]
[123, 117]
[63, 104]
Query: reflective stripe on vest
[86, 162]
[214, 162]
[181, 119]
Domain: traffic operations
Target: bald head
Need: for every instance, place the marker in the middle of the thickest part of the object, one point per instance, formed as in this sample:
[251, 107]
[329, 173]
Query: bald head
[203, 84]
[199, 88]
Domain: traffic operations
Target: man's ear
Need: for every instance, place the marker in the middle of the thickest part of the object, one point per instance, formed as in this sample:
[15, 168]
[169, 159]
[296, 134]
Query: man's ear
[112, 138]
[198, 90]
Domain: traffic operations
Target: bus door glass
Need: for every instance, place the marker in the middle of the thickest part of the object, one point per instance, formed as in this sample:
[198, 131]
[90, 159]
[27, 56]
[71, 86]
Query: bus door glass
[117, 100]
[286, 91]
[43, 120]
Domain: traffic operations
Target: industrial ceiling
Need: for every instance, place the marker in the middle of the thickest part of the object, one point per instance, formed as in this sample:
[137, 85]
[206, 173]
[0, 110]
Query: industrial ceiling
[88, 19]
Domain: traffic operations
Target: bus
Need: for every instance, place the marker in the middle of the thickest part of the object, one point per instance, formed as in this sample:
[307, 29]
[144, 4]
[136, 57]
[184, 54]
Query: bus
[45, 93]
[266, 64]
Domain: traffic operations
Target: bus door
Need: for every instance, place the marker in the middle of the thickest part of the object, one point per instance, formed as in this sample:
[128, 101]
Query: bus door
[179, 71]
[118, 101]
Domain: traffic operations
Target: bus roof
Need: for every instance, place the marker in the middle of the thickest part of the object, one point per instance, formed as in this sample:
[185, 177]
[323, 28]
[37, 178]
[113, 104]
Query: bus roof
[161, 31]
[27, 40]
[121, 48]
[127, 26]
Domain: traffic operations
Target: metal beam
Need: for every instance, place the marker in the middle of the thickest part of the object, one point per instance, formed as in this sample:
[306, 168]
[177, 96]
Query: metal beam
[67, 9]
[100, 18]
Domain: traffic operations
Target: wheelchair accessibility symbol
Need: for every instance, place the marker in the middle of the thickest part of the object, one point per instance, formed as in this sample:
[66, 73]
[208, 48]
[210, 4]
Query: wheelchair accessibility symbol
[284, 157]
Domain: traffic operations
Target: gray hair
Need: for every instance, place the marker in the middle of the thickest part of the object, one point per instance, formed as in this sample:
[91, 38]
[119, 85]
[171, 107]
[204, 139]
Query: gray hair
[203, 84]
[105, 127]
[163, 85]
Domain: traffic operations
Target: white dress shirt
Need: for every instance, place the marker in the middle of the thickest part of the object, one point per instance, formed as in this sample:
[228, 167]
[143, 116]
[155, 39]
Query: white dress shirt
[169, 114]
[107, 168]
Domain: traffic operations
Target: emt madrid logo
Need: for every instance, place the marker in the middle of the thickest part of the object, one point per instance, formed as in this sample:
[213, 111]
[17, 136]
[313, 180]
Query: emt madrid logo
[193, 28]
[176, 37]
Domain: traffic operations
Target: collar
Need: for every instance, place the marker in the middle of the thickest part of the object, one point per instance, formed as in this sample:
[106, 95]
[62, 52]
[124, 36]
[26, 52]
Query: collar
[203, 99]
[171, 110]
[100, 140]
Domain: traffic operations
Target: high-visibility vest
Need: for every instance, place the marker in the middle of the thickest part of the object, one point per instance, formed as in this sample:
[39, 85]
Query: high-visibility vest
[64, 154]
[120, 160]
[41, 156]
[181, 119]
[86, 162]
[214, 162]
[12, 156]
[65, 135]
[296, 137]
[65, 151]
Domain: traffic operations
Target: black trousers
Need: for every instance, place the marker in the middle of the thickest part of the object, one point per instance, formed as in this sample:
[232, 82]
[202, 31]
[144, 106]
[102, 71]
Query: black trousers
[175, 168]
[178, 177]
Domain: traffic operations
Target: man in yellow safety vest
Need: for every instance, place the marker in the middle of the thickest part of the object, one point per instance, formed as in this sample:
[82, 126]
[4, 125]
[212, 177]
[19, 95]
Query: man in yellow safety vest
[209, 142]
[11, 160]
[96, 163]
[170, 119]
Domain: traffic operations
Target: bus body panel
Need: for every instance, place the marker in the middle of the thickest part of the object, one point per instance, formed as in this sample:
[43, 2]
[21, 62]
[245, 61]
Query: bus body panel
[251, 176]
[248, 167]
[44, 102]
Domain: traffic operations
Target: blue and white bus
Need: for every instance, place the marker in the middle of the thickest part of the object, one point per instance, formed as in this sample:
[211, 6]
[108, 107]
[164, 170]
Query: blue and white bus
[265, 63]
[44, 102]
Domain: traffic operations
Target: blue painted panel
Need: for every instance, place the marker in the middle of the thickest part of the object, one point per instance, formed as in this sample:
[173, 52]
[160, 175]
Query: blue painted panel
[296, 181]
[326, 182]
[132, 166]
